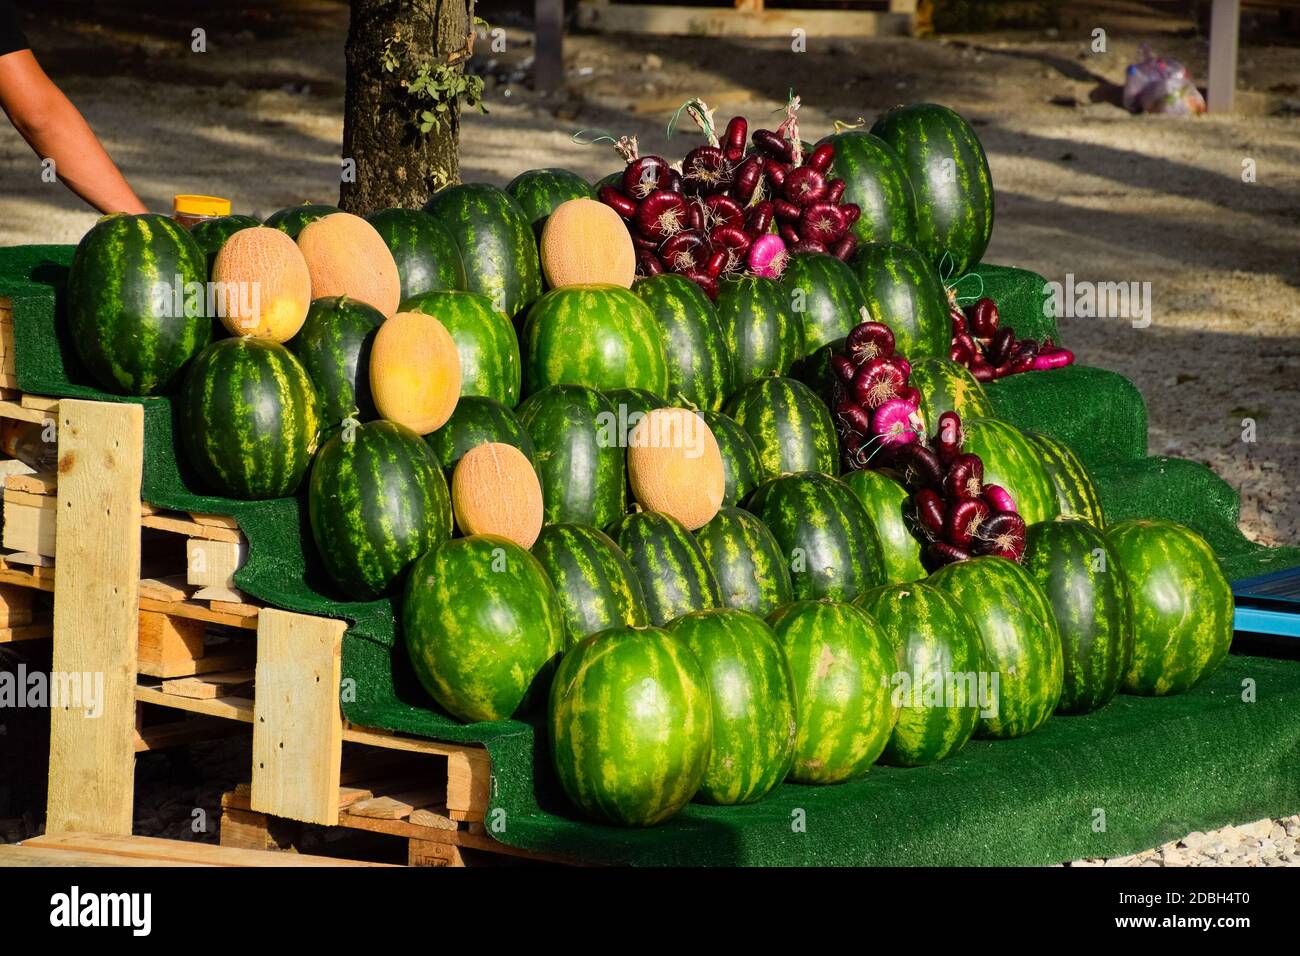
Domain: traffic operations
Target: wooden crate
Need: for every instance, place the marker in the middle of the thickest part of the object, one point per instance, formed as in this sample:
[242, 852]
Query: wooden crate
[97, 849]
[749, 18]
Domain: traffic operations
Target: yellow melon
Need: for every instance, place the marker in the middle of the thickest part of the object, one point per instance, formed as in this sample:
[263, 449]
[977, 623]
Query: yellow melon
[585, 241]
[347, 256]
[494, 490]
[262, 286]
[415, 372]
[675, 466]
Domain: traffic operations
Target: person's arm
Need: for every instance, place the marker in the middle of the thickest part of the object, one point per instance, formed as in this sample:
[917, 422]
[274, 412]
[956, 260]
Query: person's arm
[55, 129]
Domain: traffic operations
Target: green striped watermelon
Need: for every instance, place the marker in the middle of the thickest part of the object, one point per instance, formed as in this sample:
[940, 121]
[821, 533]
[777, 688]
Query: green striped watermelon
[1084, 582]
[763, 335]
[596, 585]
[903, 290]
[950, 175]
[875, 180]
[636, 403]
[252, 418]
[614, 179]
[427, 258]
[334, 347]
[580, 462]
[790, 426]
[826, 296]
[752, 694]
[602, 336]
[483, 627]
[1181, 601]
[293, 219]
[130, 324]
[941, 660]
[377, 500]
[699, 365]
[496, 243]
[478, 421]
[815, 371]
[741, 466]
[674, 575]
[631, 726]
[1021, 641]
[539, 191]
[485, 341]
[824, 532]
[886, 501]
[750, 568]
[841, 661]
[1012, 461]
[211, 234]
[946, 386]
[1076, 495]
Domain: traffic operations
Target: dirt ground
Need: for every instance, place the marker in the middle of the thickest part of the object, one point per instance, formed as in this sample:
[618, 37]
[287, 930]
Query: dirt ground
[1083, 187]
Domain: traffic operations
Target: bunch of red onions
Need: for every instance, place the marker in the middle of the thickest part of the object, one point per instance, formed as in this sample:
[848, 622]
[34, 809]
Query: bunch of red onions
[991, 352]
[877, 412]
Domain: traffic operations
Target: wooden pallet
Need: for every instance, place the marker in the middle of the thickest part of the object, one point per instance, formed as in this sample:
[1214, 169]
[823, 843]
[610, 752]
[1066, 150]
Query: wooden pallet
[92, 849]
[748, 18]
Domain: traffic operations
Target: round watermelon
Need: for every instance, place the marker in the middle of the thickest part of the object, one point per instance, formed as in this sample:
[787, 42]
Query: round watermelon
[131, 323]
[946, 386]
[334, 347]
[826, 296]
[751, 691]
[427, 257]
[789, 425]
[483, 626]
[631, 726]
[478, 421]
[1012, 461]
[841, 661]
[539, 191]
[763, 335]
[485, 341]
[886, 503]
[633, 404]
[1021, 641]
[252, 418]
[942, 663]
[903, 290]
[675, 577]
[293, 219]
[874, 180]
[211, 234]
[596, 585]
[1181, 601]
[742, 469]
[751, 570]
[1076, 495]
[377, 500]
[699, 364]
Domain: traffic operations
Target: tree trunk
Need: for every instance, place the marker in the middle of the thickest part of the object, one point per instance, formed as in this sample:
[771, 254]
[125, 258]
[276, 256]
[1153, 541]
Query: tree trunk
[395, 163]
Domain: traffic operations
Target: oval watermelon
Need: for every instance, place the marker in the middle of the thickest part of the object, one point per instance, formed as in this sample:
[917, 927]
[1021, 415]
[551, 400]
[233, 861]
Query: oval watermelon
[826, 296]
[886, 502]
[790, 426]
[875, 180]
[251, 418]
[485, 341]
[130, 323]
[946, 386]
[903, 290]
[377, 500]
[334, 347]
[478, 421]
[752, 572]
[211, 234]
[699, 364]
[539, 191]
[742, 469]
[631, 726]
[1181, 601]
[1012, 461]
[763, 335]
[596, 585]
[752, 694]
[1021, 641]
[427, 257]
[633, 404]
[293, 219]
[667, 560]
[1076, 495]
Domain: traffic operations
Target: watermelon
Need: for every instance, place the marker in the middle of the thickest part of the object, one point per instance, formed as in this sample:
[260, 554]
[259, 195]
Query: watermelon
[841, 661]
[874, 179]
[763, 335]
[751, 691]
[251, 418]
[293, 219]
[130, 324]
[427, 258]
[751, 570]
[631, 726]
[667, 560]
[539, 191]
[1012, 461]
[634, 404]
[614, 179]
[886, 503]
[946, 386]
[580, 462]
[699, 365]
[1076, 495]
[826, 296]
[903, 290]
[942, 663]
[789, 425]
[496, 243]
[377, 500]
[1084, 582]
[815, 371]
[596, 585]
[485, 341]
[477, 421]
[825, 534]
[950, 175]
[741, 467]
[1181, 601]
[602, 336]
[333, 345]
[211, 234]
[1021, 640]
[483, 627]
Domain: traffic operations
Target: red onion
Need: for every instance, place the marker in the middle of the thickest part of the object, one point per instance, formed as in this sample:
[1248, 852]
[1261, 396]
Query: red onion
[775, 146]
[984, 317]
[878, 381]
[930, 511]
[644, 175]
[998, 498]
[1051, 360]
[964, 521]
[821, 221]
[615, 200]
[804, 186]
[821, 158]
[748, 175]
[733, 139]
[845, 247]
[965, 478]
[648, 263]
[835, 190]
[662, 214]
[870, 340]
[767, 256]
[894, 422]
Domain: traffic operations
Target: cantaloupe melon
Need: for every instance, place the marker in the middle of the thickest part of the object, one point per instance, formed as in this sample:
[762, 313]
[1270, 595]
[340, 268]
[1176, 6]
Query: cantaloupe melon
[585, 241]
[494, 490]
[347, 256]
[675, 466]
[262, 286]
[414, 372]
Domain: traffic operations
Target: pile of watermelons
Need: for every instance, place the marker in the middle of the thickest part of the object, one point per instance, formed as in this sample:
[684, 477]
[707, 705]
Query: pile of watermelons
[615, 498]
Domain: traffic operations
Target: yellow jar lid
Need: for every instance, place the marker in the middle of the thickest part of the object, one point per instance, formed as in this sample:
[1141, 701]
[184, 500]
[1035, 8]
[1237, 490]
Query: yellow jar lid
[201, 206]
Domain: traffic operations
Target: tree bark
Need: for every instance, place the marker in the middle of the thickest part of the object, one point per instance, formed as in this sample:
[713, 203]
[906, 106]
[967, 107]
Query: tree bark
[395, 163]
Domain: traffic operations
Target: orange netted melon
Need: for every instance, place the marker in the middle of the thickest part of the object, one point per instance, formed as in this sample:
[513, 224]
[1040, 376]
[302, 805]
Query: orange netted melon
[675, 466]
[262, 288]
[414, 372]
[347, 256]
[494, 490]
[585, 241]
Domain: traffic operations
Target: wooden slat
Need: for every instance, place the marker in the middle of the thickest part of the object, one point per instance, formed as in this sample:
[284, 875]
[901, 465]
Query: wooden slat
[398, 806]
[213, 661]
[24, 855]
[212, 564]
[199, 612]
[15, 411]
[26, 632]
[179, 851]
[231, 708]
[191, 528]
[180, 732]
[41, 403]
[171, 588]
[209, 686]
[30, 527]
[33, 482]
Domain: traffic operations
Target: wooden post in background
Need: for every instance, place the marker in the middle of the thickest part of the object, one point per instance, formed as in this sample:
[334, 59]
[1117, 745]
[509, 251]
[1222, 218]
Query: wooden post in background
[548, 44]
[1225, 19]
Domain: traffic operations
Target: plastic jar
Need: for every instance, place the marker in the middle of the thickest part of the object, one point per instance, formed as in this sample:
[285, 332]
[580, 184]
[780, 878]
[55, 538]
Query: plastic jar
[189, 211]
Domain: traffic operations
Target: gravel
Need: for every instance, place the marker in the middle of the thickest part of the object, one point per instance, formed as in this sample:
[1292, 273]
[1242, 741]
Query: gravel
[1262, 843]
